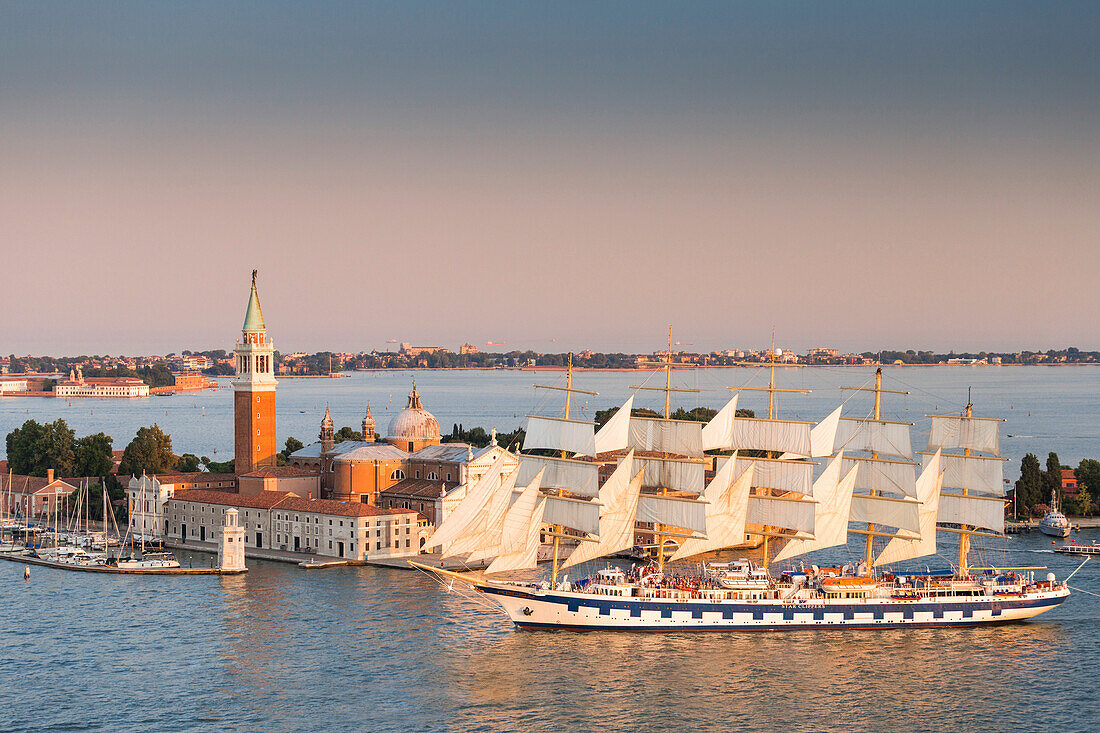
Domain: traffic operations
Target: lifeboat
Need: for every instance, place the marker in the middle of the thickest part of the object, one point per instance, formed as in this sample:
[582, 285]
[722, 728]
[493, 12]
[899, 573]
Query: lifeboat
[848, 583]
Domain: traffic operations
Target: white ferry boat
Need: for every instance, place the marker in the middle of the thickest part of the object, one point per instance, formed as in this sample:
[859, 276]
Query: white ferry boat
[1080, 548]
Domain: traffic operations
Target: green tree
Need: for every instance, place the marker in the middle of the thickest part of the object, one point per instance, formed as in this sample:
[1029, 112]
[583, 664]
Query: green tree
[1052, 478]
[1029, 487]
[346, 433]
[1088, 475]
[23, 445]
[33, 449]
[292, 445]
[187, 463]
[93, 455]
[150, 451]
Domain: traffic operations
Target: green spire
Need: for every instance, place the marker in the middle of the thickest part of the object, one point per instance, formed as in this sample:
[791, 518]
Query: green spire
[254, 317]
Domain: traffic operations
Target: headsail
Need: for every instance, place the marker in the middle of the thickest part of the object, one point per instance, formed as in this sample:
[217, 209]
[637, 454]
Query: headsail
[463, 516]
[615, 434]
[525, 556]
[619, 496]
[509, 535]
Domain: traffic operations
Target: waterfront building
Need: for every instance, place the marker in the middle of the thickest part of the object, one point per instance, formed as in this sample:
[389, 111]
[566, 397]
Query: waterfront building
[276, 520]
[254, 437]
[413, 351]
[34, 496]
[13, 386]
[146, 496]
[77, 386]
[467, 349]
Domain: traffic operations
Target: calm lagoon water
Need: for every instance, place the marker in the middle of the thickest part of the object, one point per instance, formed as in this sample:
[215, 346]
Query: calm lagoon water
[284, 649]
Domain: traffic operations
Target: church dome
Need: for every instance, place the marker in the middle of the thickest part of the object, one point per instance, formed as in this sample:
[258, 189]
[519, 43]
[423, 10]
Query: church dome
[414, 422]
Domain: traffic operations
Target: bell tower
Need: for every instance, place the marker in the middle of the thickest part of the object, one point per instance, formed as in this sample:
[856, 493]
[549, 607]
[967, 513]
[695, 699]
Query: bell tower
[254, 392]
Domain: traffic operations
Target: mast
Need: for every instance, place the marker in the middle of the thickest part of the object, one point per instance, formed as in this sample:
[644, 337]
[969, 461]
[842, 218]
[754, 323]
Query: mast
[972, 467]
[660, 534]
[877, 418]
[765, 492]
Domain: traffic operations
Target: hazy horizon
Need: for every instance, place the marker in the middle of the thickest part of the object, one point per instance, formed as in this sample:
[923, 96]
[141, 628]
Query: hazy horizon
[555, 177]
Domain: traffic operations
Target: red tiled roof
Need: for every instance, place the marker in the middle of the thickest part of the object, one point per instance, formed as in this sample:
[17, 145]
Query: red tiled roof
[32, 484]
[418, 487]
[279, 472]
[342, 508]
[262, 500]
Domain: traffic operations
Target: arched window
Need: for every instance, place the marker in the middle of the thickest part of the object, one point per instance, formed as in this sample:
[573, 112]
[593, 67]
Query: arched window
[433, 476]
[397, 475]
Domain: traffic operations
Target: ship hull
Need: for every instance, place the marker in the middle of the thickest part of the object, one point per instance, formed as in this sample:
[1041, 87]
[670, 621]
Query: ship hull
[578, 611]
[1051, 531]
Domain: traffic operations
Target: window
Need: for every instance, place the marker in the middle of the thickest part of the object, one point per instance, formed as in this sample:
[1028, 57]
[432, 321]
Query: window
[433, 476]
[418, 473]
[397, 475]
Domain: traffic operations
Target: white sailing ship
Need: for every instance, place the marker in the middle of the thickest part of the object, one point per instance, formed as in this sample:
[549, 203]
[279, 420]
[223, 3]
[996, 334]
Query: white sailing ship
[870, 480]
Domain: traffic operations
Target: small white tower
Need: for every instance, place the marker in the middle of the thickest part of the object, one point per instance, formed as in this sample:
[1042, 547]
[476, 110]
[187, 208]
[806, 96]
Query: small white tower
[231, 547]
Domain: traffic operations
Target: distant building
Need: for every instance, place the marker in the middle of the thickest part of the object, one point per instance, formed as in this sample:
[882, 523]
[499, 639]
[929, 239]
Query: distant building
[193, 363]
[1069, 483]
[33, 496]
[13, 386]
[413, 351]
[192, 381]
[467, 349]
[77, 386]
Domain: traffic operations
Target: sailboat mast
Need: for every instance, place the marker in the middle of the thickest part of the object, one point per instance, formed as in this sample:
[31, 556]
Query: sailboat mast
[964, 536]
[558, 529]
[668, 413]
[870, 554]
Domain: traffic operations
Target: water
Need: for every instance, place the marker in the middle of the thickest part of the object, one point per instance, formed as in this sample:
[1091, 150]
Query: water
[390, 650]
[1046, 408]
[387, 650]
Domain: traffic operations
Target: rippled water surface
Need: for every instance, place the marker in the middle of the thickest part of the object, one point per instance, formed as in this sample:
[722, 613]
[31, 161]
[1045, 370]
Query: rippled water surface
[371, 648]
[377, 649]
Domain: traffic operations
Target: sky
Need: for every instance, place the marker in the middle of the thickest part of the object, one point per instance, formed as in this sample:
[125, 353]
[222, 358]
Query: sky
[550, 175]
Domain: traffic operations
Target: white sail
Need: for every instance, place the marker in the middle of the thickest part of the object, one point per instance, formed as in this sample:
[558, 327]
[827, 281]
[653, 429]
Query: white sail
[822, 437]
[776, 473]
[880, 510]
[510, 533]
[954, 432]
[556, 433]
[483, 532]
[783, 436]
[718, 433]
[726, 510]
[675, 475]
[526, 556]
[583, 516]
[834, 502]
[975, 473]
[577, 477]
[928, 493]
[986, 512]
[615, 434]
[895, 477]
[782, 512]
[477, 497]
[678, 437]
[689, 514]
[876, 436]
[619, 496]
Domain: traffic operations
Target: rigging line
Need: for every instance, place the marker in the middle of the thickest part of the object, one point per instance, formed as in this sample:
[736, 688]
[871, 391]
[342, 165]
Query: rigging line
[1080, 590]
